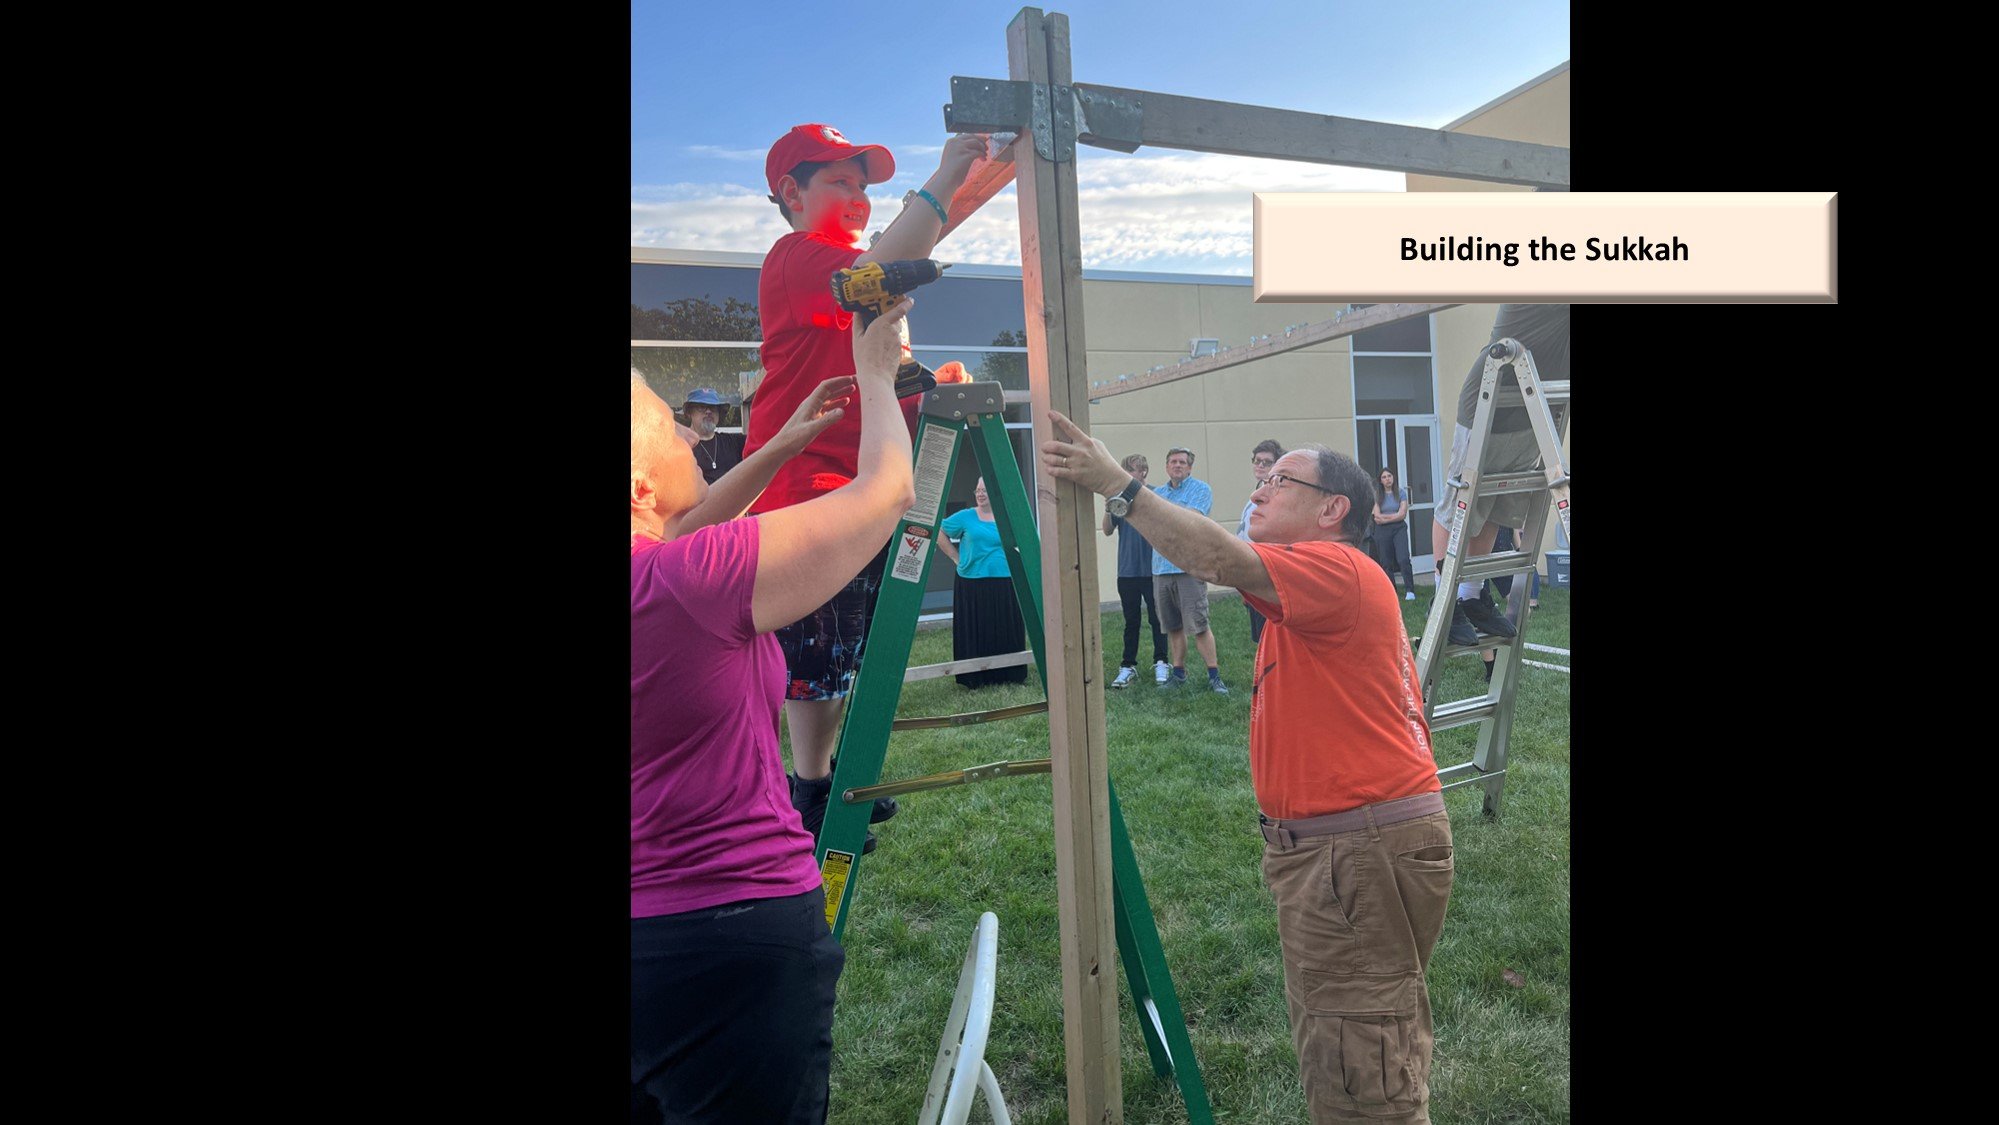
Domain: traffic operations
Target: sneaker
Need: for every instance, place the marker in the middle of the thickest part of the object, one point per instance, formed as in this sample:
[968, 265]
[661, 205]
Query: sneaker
[1410, 596]
[1461, 631]
[1218, 687]
[810, 799]
[1483, 615]
[1124, 676]
[1161, 670]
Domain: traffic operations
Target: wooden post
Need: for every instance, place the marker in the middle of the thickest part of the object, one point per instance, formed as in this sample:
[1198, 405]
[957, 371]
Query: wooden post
[1051, 275]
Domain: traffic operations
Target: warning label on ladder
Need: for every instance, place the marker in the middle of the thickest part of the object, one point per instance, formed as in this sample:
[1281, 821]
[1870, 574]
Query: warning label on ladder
[834, 873]
[912, 545]
[1457, 527]
[933, 464]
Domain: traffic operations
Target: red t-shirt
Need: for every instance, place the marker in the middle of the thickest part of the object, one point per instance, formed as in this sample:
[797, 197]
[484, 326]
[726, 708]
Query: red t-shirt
[808, 338]
[1336, 714]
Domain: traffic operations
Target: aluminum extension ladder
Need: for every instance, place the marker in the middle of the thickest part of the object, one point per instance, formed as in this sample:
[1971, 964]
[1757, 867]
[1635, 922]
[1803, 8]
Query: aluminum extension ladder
[1547, 408]
[974, 413]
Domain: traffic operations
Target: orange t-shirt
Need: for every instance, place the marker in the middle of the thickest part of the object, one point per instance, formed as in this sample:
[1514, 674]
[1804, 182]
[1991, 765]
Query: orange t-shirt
[1336, 714]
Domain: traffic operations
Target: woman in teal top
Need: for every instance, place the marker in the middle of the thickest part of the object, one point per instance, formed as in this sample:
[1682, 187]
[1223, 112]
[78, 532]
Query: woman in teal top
[985, 619]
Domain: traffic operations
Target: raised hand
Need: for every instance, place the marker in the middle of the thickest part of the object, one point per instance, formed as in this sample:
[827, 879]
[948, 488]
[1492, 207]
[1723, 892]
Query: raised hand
[878, 350]
[1076, 456]
[823, 407]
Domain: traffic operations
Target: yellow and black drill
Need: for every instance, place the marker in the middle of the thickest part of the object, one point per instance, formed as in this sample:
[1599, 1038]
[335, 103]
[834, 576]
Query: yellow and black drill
[869, 290]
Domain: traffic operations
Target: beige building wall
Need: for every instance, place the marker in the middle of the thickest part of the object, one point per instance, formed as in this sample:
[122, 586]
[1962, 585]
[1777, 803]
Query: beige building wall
[1536, 112]
[1296, 397]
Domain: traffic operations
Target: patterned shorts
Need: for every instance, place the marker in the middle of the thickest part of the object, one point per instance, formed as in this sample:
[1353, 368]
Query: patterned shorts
[822, 651]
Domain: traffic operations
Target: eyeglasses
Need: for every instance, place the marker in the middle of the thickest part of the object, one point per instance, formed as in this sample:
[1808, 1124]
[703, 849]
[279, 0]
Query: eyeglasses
[1279, 480]
[1263, 462]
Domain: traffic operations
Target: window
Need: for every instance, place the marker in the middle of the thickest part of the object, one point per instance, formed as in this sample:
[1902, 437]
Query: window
[1393, 384]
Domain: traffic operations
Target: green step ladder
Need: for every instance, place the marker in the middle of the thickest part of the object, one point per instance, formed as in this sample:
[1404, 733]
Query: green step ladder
[975, 412]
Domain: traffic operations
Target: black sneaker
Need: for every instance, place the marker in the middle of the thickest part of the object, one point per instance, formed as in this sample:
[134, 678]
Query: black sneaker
[1485, 616]
[1461, 631]
[810, 799]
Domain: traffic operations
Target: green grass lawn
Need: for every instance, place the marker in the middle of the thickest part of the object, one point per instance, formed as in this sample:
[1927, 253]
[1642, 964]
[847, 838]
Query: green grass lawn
[1180, 762]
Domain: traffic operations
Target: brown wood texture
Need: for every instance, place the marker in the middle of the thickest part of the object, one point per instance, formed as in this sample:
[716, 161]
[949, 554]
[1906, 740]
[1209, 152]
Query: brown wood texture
[1200, 125]
[1051, 256]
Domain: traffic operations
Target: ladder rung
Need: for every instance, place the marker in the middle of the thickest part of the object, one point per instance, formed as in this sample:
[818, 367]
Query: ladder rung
[1484, 643]
[1497, 566]
[1555, 392]
[1503, 484]
[938, 722]
[1463, 712]
[1465, 774]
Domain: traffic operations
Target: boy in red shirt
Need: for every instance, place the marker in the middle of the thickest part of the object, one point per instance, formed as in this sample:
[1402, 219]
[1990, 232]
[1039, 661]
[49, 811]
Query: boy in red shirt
[819, 181]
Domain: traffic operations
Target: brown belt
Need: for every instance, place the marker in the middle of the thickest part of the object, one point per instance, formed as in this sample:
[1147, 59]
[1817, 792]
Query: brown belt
[1284, 833]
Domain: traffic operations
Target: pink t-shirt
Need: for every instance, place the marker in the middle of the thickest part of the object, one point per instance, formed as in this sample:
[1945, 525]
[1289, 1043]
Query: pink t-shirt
[712, 821]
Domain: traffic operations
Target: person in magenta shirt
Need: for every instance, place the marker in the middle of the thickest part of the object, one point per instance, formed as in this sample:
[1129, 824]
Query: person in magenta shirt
[733, 967]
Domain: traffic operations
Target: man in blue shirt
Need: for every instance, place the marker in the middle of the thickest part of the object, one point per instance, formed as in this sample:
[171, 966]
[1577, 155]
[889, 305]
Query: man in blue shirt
[1183, 598]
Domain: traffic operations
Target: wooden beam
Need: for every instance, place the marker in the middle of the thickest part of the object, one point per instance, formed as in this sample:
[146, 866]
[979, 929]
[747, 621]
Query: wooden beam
[986, 179]
[1346, 324]
[1122, 119]
[1051, 275]
[960, 667]
[1201, 125]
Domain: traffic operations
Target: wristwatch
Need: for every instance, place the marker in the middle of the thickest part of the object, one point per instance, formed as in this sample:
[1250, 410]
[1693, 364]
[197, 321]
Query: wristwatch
[1121, 503]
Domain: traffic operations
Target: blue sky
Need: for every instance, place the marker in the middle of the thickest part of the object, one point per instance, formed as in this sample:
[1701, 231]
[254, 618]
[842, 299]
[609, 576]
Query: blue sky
[714, 84]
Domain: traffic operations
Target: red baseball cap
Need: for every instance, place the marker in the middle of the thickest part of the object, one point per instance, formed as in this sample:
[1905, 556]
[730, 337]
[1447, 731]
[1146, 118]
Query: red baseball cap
[822, 143]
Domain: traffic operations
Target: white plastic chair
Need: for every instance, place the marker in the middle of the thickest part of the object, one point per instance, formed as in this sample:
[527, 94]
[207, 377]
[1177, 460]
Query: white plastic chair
[961, 1054]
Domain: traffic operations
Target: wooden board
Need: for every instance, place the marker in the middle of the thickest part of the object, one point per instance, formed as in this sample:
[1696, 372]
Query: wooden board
[1051, 259]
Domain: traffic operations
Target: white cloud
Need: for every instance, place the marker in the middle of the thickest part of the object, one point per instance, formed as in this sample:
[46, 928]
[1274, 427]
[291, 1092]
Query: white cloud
[1177, 212]
[719, 153]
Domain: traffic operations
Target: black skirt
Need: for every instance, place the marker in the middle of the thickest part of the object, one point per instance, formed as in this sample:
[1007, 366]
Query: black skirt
[985, 621]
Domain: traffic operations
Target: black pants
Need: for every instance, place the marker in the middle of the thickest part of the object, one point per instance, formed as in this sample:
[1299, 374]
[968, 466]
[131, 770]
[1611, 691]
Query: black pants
[1131, 591]
[732, 1013]
[1391, 550]
[985, 621]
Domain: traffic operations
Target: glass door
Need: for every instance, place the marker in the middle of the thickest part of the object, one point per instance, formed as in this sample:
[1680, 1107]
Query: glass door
[1406, 444]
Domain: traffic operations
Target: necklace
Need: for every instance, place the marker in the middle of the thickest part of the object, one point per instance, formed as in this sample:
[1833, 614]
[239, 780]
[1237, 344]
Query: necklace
[714, 453]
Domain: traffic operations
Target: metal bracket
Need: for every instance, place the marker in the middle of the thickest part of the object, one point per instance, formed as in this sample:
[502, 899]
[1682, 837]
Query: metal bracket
[992, 105]
[1107, 121]
[955, 400]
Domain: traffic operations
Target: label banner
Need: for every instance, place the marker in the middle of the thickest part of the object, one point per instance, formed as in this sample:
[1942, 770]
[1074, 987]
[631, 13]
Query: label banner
[1607, 247]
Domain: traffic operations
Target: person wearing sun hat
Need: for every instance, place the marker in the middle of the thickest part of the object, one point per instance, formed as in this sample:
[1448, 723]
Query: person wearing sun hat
[715, 452]
[819, 181]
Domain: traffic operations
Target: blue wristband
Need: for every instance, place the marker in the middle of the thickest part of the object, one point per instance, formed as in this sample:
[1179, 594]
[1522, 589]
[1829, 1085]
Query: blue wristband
[934, 205]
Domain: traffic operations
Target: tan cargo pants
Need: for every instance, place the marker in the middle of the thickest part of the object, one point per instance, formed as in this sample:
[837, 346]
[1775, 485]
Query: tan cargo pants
[1358, 913]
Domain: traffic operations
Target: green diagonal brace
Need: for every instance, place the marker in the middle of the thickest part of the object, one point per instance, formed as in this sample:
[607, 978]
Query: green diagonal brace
[976, 411]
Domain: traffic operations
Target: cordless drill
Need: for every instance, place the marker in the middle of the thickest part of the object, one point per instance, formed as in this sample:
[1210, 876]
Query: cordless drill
[869, 290]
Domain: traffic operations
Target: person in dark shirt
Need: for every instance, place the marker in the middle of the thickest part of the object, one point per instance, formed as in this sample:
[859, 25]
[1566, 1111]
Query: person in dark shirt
[715, 452]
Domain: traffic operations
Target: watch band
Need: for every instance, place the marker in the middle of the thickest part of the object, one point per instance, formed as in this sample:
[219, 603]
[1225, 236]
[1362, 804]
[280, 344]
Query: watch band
[1131, 491]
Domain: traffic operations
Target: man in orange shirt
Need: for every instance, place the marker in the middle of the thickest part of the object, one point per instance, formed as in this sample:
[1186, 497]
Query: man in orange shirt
[1357, 846]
